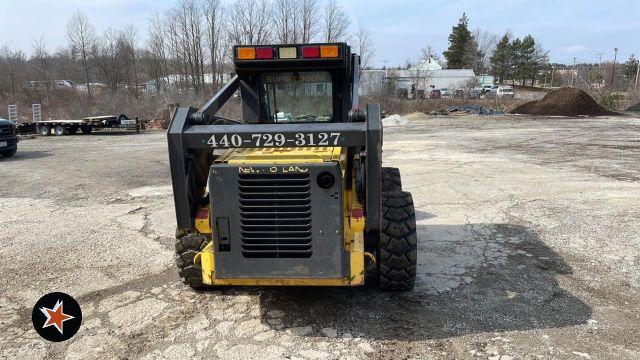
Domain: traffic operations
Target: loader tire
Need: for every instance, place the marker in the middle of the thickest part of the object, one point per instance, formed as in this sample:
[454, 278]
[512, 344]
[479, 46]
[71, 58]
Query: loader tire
[187, 246]
[391, 179]
[398, 251]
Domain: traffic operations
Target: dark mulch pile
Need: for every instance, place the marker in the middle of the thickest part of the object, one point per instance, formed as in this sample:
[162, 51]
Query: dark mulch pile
[563, 102]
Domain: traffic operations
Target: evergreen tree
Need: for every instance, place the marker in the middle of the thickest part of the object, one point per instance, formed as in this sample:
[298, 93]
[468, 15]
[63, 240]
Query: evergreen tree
[526, 67]
[513, 59]
[461, 53]
[631, 68]
[499, 59]
[540, 58]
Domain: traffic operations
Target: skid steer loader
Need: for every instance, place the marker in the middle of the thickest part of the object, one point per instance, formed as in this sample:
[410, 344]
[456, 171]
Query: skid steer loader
[294, 193]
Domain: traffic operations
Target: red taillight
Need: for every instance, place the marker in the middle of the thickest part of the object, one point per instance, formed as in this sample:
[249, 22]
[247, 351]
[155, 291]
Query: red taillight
[357, 213]
[310, 52]
[263, 53]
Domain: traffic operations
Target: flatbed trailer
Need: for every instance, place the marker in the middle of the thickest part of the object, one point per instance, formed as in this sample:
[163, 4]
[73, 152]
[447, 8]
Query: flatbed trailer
[87, 125]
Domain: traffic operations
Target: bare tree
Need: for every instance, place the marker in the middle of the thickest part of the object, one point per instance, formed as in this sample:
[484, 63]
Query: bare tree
[365, 46]
[156, 45]
[250, 22]
[41, 63]
[214, 17]
[285, 14]
[81, 36]
[309, 12]
[187, 42]
[486, 42]
[336, 22]
[429, 52]
[127, 43]
[107, 58]
[12, 70]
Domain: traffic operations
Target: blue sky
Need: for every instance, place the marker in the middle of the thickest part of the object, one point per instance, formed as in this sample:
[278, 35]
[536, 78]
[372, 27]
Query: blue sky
[568, 28]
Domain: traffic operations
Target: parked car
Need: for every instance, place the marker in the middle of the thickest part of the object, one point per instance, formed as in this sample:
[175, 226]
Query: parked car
[505, 92]
[458, 94]
[435, 94]
[492, 94]
[475, 94]
[445, 93]
[487, 88]
[8, 138]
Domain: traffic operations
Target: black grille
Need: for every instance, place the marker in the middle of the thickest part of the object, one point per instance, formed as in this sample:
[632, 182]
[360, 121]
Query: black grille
[275, 215]
[5, 130]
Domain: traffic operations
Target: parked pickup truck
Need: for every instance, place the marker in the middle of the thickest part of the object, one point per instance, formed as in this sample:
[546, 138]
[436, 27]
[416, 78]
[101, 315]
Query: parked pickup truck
[8, 138]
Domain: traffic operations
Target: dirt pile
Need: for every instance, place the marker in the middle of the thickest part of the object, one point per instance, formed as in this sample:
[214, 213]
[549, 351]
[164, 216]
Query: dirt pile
[563, 102]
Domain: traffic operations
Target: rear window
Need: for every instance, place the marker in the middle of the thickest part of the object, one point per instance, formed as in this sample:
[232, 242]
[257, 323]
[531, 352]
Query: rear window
[298, 96]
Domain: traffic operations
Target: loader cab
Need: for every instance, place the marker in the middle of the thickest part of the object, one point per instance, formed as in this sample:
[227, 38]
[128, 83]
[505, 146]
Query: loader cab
[310, 83]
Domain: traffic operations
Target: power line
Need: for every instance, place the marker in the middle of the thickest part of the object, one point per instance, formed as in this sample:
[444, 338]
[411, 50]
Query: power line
[599, 55]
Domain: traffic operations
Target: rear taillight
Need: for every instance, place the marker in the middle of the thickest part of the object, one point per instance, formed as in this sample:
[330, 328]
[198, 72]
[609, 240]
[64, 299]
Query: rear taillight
[264, 53]
[310, 52]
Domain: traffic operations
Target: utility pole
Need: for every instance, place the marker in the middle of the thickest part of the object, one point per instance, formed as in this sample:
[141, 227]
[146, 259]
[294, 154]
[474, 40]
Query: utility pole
[599, 55]
[637, 73]
[552, 68]
[613, 73]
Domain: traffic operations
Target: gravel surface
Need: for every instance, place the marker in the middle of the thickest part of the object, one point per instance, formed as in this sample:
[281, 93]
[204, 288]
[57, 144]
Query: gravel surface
[528, 233]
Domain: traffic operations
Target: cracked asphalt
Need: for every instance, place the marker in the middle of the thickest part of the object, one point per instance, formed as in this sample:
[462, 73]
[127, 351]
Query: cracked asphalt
[529, 248]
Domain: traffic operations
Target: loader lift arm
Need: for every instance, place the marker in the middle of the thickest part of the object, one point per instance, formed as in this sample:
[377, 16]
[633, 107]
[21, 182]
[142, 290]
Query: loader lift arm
[189, 139]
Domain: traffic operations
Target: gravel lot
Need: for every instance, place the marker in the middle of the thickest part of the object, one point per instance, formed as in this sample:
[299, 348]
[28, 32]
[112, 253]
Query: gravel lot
[529, 245]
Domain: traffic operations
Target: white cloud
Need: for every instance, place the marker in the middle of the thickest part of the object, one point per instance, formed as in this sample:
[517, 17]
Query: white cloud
[573, 49]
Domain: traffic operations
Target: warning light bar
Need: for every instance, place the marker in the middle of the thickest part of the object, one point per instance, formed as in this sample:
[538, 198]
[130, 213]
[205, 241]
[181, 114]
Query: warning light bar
[288, 52]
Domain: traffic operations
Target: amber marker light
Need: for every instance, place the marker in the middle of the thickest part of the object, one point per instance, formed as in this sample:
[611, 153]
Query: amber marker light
[329, 51]
[246, 53]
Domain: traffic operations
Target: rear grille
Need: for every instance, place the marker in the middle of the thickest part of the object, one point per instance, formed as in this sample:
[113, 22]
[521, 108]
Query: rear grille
[275, 215]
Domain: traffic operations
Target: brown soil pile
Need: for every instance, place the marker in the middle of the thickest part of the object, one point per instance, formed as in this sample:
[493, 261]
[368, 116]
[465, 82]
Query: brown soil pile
[526, 108]
[563, 102]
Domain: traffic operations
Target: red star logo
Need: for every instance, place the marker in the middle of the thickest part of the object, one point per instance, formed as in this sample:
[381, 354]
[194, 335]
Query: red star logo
[55, 316]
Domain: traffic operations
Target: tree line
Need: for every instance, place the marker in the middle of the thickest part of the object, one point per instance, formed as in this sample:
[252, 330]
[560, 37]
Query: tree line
[509, 58]
[190, 40]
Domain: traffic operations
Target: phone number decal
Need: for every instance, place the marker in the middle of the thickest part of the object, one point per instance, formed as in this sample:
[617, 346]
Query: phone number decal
[273, 140]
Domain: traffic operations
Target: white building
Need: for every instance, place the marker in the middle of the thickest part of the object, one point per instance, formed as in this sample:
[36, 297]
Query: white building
[416, 81]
